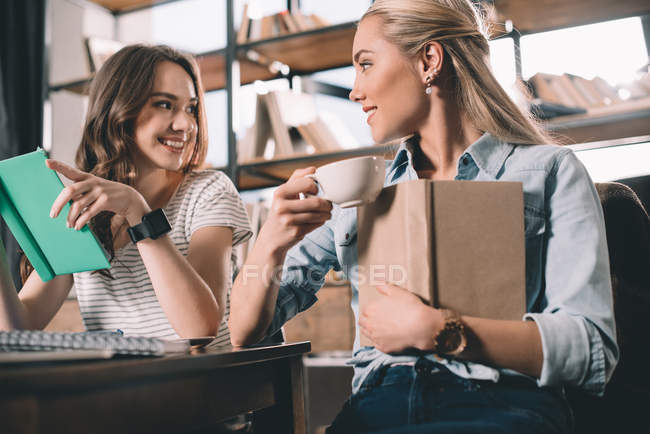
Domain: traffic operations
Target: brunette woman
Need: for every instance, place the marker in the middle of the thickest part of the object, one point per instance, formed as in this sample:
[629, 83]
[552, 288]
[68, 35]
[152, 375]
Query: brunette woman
[144, 142]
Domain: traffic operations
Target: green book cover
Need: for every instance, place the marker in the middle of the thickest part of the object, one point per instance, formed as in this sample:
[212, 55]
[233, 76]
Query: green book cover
[28, 189]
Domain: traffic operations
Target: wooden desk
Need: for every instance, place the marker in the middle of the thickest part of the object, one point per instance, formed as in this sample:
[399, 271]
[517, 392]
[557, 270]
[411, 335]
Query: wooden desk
[176, 393]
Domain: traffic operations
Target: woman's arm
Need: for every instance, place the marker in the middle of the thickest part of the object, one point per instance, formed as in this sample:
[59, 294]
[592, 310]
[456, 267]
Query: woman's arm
[190, 291]
[37, 302]
[255, 292]
[399, 320]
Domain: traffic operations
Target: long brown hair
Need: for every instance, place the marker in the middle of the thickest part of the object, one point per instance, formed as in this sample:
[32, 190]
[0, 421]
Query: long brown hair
[459, 27]
[117, 94]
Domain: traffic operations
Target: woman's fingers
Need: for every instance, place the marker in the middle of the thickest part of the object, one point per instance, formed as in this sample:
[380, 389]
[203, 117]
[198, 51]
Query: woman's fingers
[88, 213]
[79, 205]
[68, 171]
[300, 173]
[292, 188]
[307, 218]
[311, 204]
[71, 192]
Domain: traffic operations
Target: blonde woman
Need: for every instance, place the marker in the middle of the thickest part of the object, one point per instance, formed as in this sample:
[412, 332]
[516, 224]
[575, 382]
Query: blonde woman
[422, 71]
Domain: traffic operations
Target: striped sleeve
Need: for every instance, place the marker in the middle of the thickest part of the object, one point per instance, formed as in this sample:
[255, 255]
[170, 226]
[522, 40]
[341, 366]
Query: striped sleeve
[219, 204]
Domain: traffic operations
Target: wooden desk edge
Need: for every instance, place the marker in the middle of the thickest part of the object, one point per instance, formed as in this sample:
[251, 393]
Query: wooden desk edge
[49, 375]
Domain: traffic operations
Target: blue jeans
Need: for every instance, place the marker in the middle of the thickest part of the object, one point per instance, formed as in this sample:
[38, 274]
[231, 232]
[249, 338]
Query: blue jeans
[427, 398]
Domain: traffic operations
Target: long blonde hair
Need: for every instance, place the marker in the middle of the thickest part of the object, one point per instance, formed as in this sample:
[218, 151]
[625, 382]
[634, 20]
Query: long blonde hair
[459, 27]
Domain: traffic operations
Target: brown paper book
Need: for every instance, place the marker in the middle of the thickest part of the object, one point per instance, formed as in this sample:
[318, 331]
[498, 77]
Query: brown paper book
[456, 244]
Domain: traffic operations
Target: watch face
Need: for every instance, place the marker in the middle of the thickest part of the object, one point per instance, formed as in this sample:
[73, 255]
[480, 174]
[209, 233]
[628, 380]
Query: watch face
[158, 223]
[449, 340]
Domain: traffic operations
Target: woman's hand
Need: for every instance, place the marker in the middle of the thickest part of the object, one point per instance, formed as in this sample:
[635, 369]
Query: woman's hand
[398, 319]
[91, 195]
[291, 218]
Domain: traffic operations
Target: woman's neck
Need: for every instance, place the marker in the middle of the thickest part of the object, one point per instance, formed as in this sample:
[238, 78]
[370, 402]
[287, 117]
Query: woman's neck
[444, 136]
[158, 186]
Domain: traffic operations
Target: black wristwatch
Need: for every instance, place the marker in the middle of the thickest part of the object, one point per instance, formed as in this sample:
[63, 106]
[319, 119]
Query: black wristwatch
[154, 225]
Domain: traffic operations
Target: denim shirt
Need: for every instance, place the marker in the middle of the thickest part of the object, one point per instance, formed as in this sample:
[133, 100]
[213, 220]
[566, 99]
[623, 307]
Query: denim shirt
[568, 287]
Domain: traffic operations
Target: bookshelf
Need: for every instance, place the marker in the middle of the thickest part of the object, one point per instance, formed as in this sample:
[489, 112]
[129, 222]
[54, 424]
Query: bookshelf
[303, 52]
[628, 119]
[261, 173]
[330, 47]
[544, 15]
[310, 51]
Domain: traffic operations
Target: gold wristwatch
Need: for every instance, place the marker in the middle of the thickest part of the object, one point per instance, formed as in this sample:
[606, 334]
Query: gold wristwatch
[450, 339]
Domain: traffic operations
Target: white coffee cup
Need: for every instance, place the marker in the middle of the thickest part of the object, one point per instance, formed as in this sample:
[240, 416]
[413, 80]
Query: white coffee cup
[351, 182]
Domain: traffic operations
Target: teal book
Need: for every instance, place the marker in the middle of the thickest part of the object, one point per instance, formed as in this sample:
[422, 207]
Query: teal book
[28, 189]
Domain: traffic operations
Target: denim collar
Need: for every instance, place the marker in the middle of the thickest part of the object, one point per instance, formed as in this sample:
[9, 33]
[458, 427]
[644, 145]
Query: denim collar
[488, 153]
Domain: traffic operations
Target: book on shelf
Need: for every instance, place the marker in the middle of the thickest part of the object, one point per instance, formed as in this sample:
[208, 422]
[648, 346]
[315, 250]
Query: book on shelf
[242, 33]
[571, 91]
[588, 91]
[290, 119]
[569, 87]
[608, 91]
[254, 30]
[301, 21]
[635, 89]
[99, 50]
[289, 21]
[541, 84]
[267, 28]
[318, 21]
[28, 189]
[281, 23]
[560, 90]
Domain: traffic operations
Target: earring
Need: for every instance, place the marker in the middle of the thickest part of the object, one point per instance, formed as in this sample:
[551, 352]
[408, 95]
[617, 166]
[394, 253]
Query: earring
[428, 90]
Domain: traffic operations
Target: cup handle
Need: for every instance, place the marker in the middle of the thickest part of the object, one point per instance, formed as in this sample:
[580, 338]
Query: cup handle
[306, 195]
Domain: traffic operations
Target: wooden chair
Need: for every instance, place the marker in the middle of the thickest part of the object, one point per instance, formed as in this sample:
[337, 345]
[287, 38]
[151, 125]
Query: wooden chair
[625, 405]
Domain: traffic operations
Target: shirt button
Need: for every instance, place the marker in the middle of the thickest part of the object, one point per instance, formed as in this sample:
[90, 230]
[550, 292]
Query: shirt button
[465, 160]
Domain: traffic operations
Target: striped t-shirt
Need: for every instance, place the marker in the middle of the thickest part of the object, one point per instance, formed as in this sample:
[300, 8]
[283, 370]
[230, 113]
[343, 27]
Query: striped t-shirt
[127, 301]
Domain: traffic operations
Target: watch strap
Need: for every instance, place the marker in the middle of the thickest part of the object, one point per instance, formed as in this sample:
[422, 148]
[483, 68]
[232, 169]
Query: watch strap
[139, 232]
[154, 225]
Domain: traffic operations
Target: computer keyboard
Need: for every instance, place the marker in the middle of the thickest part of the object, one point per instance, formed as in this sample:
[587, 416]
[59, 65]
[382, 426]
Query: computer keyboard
[38, 340]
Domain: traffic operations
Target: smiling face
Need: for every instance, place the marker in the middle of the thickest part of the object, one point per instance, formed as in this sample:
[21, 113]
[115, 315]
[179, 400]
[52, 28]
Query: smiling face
[387, 84]
[166, 126]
